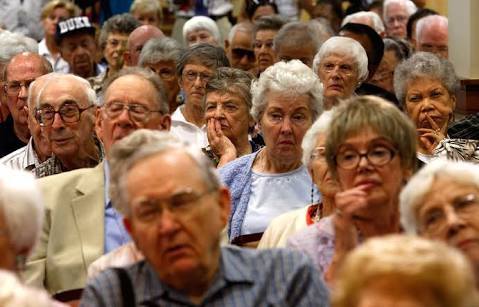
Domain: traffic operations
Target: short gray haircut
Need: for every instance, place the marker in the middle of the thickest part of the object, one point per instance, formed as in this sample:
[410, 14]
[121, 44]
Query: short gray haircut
[413, 194]
[232, 80]
[159, 49]
[120, 24]
[432, 21]
[292, 78]
[241, 27]
[202, 23]
[296, 33]
[424, 65]
[320, 126]
[346, 47]
[21, 204]
[203, 54]
[145, 74]
[15, 43]
[144, 143]
[378, 24]
[265, 23]
[408, 4]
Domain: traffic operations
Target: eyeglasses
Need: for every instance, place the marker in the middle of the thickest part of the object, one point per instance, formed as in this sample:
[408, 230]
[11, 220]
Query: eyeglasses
[434, 221]
[69, 113]
[377, 156]
[149, 210]
[137, 112]
[344, 69]
[240, 53]
[164, 73]
[193, 76]
[14, 87]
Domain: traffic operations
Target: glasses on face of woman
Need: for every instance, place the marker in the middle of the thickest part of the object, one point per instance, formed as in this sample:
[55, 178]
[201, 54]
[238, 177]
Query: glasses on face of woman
[378, 155]
[344, 69]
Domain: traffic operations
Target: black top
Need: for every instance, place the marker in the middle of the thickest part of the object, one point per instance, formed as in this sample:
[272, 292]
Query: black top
[9, 142]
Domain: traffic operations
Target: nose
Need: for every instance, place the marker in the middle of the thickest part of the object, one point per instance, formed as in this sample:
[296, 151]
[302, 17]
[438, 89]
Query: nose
[23, 93]
[219, 112]
[168, 224]
[57, 121]
[454, 222]
[286, 125]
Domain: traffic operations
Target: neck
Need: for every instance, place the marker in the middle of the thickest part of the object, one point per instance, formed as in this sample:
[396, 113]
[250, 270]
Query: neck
[328, 205]
[52, 46]
[380, 224]
[194, 114]
[22, 132]
[243, 147]
[271, 164]
[329, 102]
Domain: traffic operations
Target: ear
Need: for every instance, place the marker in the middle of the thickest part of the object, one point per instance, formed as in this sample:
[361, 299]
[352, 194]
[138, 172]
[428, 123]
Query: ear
[126, 58]
[99, 123]
[165, 123]
[224, 202]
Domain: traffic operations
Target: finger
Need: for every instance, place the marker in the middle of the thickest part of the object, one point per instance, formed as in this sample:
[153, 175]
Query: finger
[432, 122]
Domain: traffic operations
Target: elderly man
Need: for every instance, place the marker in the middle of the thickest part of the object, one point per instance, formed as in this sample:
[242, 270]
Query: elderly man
[136, 40]
[71, 133]
[370, 19]
[239, 46]
[82, 222]
[432, 34]
[395, 15]
[38, 148]
[76, 40]
[184, 263]
[22, 70]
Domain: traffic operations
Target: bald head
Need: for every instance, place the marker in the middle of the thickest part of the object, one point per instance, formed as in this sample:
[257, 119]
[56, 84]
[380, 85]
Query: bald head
[137, 40]
[432, 35]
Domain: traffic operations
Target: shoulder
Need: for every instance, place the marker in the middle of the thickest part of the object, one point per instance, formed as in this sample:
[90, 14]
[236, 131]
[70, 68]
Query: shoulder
[232, 167]
[313, 235]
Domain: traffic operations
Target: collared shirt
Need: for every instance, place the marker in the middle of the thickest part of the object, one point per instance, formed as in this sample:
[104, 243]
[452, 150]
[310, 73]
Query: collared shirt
[98, 81]
[58, 64]
[245, 278]
[24, 158]
[186, 131]
[115, 232]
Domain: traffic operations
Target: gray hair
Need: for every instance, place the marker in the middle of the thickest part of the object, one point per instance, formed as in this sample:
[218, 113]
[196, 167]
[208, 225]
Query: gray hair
[408, 4]
[159, 49]
[241, 27]
[201, 23]
[413, 194]
[346, 47]
[21, 205]
[320, 126]
[122, 24]
[292, 77]
[424, 64]
[232, 80]
[145, 74]
[144, 143]
[377, 23]
[264, 23]
[296, 34]
[202, 54]
[432, 21]
[15, 43]
[359, 113]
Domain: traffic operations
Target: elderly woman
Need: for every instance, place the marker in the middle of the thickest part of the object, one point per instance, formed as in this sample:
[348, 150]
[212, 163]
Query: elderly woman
[425, 86]
[441, 202]
[264, 32]
[405, 271]
[161, 56]
[371, 151]
[227, 114]
[341, 64]
[314, 157]
[269, 182]
[147, 12]
[201, 29]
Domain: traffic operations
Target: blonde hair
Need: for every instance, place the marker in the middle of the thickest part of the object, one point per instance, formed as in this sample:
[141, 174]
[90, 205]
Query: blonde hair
[48, 8]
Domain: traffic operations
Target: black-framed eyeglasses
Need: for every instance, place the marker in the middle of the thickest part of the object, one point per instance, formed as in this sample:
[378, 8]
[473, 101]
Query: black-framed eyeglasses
[13, 88]
[193, 76]
[69, 113]
[377, 156]
[239, 53]
[137, 112]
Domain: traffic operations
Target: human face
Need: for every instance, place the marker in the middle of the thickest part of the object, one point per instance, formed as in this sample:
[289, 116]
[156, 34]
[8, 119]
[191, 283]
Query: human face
[193, 82]
[304, 53]
[263, 49]
[240, 51]
[263, 10]
[79, 51]
[427, 99]
[450, 212]
[385, 73]
[231, 112]
[67, 139]
[129, 89]
[396, 20]
[114, 49]
[181, 245]
[51, 21]
[381, 183]
[320, 173]
[284, 123]
[434, 40]
[7, 258]
[166, 70]
[339, 75]
[200, 36]
[22, 70]
[147, 18]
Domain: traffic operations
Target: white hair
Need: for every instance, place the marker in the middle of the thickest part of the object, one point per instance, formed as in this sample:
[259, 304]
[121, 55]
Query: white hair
[378, 24]
[412, 195]
[320, 126]
[432, 22]
[292, 78]
[15, 43]
[346, 47]
[243, 27]
[201, 23]
[22, 208]
[410, 6]
[13, 293]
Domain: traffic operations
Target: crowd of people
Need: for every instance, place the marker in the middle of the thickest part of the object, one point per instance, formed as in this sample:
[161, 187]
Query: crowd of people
[301, 161]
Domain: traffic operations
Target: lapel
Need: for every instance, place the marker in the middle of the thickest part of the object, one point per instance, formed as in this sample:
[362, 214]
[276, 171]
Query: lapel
[88, 206]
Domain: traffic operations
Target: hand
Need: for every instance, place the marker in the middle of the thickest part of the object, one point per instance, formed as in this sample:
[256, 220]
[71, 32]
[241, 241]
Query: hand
[429, 138]
[219, 143]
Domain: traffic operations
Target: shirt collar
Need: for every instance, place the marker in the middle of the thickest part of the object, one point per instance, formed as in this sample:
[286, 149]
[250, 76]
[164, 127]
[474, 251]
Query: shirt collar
[106, 179]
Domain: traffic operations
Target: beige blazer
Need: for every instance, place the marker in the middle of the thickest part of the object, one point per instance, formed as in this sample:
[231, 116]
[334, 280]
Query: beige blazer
[73, 231]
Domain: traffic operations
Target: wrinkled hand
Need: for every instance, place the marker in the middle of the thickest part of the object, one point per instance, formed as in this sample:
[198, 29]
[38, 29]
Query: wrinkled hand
[219, 143]
[429, 138]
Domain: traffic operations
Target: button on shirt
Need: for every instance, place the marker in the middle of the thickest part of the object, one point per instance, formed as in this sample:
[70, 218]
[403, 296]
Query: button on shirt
[115, 232]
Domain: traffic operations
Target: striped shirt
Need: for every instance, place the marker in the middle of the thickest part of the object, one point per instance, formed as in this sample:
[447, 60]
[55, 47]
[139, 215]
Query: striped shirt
[24, 158]
[245, 278]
